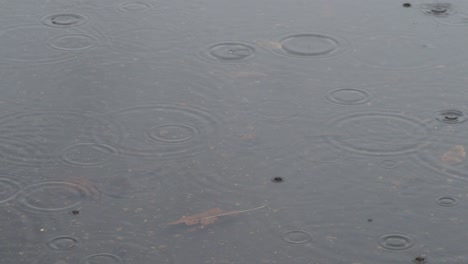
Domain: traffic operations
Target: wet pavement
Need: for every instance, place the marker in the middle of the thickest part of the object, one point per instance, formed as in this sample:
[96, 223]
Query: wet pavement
[233, 132]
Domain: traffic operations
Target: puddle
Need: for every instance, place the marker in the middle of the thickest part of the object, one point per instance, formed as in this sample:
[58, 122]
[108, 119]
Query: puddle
[233, 132]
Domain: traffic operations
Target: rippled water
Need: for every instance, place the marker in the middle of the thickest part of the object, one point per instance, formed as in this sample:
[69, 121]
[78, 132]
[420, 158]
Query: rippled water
[233, 132]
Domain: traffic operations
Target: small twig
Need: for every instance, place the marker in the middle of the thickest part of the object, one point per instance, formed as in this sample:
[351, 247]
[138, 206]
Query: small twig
[234, 212]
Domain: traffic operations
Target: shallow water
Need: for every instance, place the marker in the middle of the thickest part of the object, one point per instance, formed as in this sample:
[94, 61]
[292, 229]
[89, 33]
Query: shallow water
[233, 132]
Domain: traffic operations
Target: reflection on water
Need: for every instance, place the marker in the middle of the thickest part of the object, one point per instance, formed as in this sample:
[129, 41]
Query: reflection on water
[233, 132]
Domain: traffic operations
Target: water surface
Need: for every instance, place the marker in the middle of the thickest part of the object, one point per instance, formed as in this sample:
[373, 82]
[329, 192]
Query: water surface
[233, 132]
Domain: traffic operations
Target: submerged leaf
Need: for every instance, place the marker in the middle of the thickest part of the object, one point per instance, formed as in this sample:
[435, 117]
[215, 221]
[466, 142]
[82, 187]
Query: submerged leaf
[454, 156]
[207, 217]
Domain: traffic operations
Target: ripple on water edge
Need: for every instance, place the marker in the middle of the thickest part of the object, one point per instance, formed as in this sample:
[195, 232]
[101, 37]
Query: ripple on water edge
[164, 131]
[9, 188]
[32, 41]
[73, 42]
[349, 96]
[378, 133]
[110, 249]
[134, 7]
[53, 196]
[437, 9]
[447, 201]
[63, 243]
[88, 154]
[396, 241]
[47, 45]
[228, 52]
[451, 116]
[64, 20]
[314, 45]
[40, 138]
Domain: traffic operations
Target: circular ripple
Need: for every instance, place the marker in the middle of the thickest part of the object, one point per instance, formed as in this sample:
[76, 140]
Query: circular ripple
[396, 241]
[378, 133]
[297, 237]
[228, 52]
[103, 258]
[389, 164]
[8, 190]
[63, 243]
[447, 201]
[88, 154]
[73, 42]
[397, 51]
[64, 20]
[134, 7]
[51, 197]
[310, 46]
[348, 96]
[437, 9]
[274, 109]
[122, 250]
[28, 44]
[165, 131]
[450, 116]
[39, 138]
[173, 133]
[454, 19]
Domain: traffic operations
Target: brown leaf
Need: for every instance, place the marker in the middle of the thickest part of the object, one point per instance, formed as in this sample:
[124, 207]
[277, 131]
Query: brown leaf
[89, 187]
[207, 217]
[454, 156]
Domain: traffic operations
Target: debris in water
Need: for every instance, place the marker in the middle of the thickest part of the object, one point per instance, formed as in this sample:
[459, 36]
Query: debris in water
[207, 217]
[454, 156]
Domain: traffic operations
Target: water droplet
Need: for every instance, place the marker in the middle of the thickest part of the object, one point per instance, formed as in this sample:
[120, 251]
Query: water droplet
[378, 133]
[447, 201]
[437, 9]
[396, 241]
[348, 96]
[450, 116]
[277, 179]
[310, 46]
[297, 237]
[231, 52]
[421, 259]
[63, 243]
[88, 154]
[64, 20]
